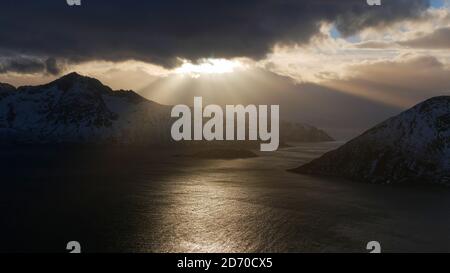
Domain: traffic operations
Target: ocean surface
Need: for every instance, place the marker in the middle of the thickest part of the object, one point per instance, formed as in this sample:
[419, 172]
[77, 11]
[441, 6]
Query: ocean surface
[155, 201]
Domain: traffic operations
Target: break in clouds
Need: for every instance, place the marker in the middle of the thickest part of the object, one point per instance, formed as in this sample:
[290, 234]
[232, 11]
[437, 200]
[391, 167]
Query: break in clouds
[163, 32]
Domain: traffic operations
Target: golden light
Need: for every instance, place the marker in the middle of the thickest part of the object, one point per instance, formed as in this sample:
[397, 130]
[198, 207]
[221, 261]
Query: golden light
[207, 66]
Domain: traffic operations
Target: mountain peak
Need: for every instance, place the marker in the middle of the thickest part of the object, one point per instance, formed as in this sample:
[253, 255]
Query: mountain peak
[411, 147]
[429, 104]
[73, 75]
[80, 109]
[73, 80]
[436, 99]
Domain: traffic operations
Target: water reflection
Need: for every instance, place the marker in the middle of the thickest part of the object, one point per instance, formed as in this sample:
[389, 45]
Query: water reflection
[163, 203]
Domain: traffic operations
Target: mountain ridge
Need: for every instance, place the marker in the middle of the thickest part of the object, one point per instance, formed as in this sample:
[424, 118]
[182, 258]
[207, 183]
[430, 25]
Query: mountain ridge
[413, 146]
[79, 109]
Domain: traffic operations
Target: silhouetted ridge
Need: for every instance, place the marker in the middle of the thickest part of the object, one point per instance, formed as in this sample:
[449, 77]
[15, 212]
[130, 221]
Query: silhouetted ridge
[73, 80]
[6, 87]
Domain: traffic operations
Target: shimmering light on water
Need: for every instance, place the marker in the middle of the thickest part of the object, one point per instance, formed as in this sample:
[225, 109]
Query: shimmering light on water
[164, 203]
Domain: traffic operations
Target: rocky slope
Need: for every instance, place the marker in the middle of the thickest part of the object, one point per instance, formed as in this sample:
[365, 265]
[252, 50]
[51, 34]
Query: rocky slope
[413, 147]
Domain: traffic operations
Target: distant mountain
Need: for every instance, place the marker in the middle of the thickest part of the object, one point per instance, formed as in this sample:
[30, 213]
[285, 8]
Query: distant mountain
[341, 114]
[79, 109]
[297, 132]
[411, 147]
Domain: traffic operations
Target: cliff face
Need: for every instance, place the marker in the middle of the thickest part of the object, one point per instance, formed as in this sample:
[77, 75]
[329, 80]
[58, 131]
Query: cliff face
[411, 147]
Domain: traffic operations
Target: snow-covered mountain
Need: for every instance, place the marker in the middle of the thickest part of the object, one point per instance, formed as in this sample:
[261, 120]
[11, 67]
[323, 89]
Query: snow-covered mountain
[411, 147]
[76, 109]
[79, 109]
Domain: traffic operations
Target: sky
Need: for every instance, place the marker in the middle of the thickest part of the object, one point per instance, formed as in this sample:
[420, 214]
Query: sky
[377, 60]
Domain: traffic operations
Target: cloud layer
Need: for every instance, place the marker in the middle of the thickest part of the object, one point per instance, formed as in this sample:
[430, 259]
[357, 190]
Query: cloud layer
[159, 32]
[27, 65]
[439, 39]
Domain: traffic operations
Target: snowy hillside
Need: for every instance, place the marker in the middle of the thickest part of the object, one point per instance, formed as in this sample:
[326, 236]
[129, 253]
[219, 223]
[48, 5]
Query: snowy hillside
[411, 147]
[80, 109]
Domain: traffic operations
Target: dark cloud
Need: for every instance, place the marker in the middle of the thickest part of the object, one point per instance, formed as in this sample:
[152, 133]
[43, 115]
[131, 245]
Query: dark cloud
[22, 65]
[439, 39]
[29, 65]
[52, 66]
[161, 31]
[354, 19]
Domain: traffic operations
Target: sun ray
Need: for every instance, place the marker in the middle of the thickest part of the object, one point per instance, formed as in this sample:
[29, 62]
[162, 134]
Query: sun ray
[207, 66]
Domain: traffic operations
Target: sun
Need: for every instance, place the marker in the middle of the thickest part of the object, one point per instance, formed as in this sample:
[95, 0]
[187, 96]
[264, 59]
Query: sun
[207, 66]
